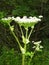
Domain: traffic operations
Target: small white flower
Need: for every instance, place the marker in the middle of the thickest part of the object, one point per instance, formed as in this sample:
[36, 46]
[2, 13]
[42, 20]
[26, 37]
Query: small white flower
[40, 16]
[36, 19]
[17, 19]
[37, 48]
[41, 46]
[9, 18]
[13, 18]
[36, 43]
[4, 19]
[32, 41]
[24, 17]
[30, 17]
[34, 47]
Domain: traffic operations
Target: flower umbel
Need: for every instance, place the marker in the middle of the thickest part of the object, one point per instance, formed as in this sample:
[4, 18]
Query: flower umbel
[26, 22]
[37, 46]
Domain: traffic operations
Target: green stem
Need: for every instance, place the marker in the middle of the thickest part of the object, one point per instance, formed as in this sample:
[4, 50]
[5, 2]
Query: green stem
[29, 61]
[21, 30]
[15, 37]
[26, 33]
[23, 55]
[23, 59]
[26, 38]
[30, 33]
[31, 58]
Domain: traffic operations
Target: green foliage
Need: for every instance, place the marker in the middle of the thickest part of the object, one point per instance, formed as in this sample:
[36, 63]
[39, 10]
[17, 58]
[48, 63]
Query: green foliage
[20, 11]
[2, 14]
[9, 57]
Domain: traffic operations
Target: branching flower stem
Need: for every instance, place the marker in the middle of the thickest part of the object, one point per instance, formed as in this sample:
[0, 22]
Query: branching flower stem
[30, 33]
[23, 55]
[15, 37]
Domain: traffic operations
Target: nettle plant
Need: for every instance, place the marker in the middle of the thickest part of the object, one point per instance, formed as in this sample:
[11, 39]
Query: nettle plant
[26, 23]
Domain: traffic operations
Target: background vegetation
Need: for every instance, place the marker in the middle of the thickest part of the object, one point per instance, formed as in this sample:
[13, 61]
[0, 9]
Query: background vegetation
[8, 47]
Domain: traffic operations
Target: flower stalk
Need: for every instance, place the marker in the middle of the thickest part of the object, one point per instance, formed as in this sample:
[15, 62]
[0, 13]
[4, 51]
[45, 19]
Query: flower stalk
[16, 38]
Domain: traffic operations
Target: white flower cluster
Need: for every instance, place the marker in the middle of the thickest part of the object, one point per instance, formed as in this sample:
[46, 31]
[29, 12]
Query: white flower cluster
[6, 20]
[9, 18]
[26, 20]
[37, 46]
